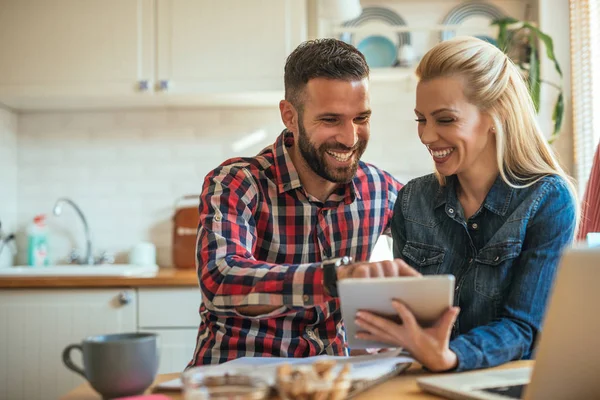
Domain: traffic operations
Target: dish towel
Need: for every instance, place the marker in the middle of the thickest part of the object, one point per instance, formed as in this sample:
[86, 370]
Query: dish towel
[590, 207]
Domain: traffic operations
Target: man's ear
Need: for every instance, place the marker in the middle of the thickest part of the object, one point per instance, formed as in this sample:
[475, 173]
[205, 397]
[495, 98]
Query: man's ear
[289, 116]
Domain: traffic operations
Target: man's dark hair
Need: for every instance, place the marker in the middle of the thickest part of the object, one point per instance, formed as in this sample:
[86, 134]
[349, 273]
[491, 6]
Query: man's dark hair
[321, 58]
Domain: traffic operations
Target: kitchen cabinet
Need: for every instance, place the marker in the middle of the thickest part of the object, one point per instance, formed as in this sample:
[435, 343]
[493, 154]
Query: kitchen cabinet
[112, 53]
[36, 325]
[226, 46]
[173, 315]
[415, 26]
[73, 48]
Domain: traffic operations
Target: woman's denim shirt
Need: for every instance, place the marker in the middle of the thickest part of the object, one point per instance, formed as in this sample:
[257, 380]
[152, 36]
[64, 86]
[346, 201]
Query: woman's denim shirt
[504, 259]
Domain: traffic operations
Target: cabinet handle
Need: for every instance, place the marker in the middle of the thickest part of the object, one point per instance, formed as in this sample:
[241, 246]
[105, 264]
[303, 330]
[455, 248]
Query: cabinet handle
[124, 298]
[143, 85]
[163, 85]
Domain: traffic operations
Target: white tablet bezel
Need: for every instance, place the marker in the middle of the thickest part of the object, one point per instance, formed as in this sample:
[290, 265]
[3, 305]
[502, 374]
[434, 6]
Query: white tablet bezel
[428, 297]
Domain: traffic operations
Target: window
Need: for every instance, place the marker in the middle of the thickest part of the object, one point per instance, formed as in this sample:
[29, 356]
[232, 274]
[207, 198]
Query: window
[585, 65]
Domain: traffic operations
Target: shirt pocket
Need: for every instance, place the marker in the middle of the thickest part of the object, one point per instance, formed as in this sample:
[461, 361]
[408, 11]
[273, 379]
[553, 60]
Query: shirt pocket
[494, 264]
[425, 258]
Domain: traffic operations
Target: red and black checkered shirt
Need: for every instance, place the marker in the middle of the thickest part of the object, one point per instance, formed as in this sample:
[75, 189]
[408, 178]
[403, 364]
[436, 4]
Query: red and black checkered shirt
[261, 238]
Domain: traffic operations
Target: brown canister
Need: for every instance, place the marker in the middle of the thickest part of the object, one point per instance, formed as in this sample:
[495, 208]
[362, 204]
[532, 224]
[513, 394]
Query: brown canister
[185, 228]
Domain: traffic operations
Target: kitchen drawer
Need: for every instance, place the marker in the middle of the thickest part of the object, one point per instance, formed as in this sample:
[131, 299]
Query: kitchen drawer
[176, 348]
[168, 307]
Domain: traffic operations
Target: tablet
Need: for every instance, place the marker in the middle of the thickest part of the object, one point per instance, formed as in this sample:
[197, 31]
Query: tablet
[428, 297]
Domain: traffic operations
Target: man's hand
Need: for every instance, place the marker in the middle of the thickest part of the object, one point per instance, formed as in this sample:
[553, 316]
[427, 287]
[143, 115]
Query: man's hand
[389, 268]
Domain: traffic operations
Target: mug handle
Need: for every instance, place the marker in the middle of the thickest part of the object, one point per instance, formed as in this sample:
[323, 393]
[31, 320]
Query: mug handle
[66, 356]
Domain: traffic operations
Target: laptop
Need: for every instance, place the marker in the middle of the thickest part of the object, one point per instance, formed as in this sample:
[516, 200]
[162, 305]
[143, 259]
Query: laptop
[567, 362]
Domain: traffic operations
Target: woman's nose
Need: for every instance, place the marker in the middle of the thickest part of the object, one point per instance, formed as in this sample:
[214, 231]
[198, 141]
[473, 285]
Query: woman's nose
[427, 134]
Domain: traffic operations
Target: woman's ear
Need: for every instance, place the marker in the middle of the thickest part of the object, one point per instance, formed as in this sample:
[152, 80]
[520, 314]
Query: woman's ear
[289, 116]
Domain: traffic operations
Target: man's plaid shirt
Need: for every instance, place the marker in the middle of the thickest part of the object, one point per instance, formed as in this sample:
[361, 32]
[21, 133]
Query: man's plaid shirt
[261, 238]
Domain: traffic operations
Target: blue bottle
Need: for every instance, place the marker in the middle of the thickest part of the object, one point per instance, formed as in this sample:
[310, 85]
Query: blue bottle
[37, 249]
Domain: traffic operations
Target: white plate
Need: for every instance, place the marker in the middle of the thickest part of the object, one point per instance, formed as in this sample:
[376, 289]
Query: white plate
[375, 18]
[475, 15]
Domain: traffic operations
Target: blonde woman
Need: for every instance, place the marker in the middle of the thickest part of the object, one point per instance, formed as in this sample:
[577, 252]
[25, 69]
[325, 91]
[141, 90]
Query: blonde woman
[496, 214]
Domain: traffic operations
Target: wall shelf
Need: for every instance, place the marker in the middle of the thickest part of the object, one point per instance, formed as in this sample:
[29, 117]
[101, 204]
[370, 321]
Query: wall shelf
[398, 29]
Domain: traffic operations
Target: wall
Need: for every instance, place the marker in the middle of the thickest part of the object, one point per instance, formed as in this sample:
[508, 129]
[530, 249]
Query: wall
[8, 170]
[125, 169]
[554, 20]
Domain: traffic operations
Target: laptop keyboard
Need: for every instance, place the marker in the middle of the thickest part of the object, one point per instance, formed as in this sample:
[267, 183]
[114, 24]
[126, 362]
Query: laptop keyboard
[513, 392]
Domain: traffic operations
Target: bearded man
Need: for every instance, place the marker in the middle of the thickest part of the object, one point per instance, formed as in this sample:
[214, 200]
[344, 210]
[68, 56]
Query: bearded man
[278, 230]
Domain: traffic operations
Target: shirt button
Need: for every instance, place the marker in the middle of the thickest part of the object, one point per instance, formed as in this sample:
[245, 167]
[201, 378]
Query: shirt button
[217, 218]
[475, 226]
[470, 260]
[451, 210]
[497, 258]
[306, 298]
[311, 334]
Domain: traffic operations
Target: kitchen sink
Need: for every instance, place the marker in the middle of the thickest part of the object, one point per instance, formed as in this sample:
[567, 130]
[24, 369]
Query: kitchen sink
[124, 270]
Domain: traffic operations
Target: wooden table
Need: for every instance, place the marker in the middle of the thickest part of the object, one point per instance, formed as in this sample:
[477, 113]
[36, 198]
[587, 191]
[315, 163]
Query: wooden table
[403, 386]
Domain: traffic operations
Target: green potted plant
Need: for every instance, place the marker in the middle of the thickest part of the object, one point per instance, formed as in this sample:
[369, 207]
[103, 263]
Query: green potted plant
[520, 40]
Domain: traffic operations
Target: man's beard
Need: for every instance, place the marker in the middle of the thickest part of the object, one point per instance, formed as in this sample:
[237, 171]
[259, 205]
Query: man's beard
[317, 159]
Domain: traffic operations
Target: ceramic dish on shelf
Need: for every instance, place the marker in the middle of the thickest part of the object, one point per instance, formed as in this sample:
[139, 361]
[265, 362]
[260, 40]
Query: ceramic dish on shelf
[379, 51]
[487, 39]
[478, 15]
[375, 17]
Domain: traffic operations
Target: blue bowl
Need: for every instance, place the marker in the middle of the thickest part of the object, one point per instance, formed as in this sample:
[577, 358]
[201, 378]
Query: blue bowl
[379, 51]
[487, 39]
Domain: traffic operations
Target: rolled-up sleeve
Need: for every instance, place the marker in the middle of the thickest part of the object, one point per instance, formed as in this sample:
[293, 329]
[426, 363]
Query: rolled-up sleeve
[228, 274]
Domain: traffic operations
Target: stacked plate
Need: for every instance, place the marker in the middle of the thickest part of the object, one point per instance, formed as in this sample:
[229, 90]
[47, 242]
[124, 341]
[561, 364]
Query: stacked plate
[478, 15]
[379, 50]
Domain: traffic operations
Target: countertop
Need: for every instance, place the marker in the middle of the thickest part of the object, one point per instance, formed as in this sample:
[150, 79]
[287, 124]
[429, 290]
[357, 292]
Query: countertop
[166, 277]
[403, 386]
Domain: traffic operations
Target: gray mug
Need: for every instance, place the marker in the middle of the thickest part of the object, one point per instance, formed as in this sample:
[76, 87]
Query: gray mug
[118, 365]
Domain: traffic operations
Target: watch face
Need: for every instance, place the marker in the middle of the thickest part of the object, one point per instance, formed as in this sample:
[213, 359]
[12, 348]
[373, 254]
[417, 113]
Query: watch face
[337, 262]
[343, 261]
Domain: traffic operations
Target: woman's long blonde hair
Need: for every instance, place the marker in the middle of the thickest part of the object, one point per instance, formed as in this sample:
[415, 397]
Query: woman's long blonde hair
[495, 85]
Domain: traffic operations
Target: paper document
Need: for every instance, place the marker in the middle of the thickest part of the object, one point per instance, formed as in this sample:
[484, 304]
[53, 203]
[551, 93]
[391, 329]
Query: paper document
[366, 367]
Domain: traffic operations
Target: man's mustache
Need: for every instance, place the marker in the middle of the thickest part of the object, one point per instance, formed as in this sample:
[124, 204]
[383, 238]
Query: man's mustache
[341, 147]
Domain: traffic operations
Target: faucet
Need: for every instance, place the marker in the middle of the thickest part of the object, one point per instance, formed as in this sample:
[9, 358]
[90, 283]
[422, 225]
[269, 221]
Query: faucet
[89, 257]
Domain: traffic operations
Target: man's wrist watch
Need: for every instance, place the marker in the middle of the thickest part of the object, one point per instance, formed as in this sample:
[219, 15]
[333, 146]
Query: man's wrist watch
[330, 273]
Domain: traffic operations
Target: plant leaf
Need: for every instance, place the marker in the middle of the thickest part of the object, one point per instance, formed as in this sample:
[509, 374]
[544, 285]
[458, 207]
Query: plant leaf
[558, 113]
[505, 21]
[503, 39]
[548, 43]
[534, 76]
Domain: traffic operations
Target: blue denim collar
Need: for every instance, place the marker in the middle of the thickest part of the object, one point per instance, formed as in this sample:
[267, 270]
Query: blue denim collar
[497, 199]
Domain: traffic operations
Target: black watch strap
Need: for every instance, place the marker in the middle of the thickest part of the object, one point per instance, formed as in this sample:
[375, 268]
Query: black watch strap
[330, 273]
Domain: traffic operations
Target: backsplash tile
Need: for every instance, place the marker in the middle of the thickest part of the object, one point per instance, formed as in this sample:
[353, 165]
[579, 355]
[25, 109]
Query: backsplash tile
[8, 170]
[125, 169]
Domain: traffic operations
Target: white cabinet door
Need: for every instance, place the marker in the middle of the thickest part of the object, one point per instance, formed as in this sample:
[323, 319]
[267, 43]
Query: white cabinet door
[169, 307]
[75, 48]
[176, 348]
[35, 327]
[207, 46]
[172, 313]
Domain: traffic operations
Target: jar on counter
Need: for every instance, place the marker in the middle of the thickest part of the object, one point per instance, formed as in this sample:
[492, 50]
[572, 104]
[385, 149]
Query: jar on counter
[199, 384]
